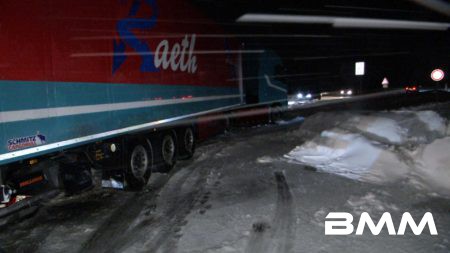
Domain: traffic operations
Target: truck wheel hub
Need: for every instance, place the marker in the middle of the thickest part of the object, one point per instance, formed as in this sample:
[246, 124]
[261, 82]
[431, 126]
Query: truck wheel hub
[139, 161]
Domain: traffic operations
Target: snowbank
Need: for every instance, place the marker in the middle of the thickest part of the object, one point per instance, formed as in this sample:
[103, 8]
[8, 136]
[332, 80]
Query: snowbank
[381, 127]
[292, 121]
[381, 147]
[433, 121]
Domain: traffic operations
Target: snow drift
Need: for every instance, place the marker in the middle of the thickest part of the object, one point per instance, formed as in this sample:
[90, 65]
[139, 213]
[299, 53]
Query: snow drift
[380, 147]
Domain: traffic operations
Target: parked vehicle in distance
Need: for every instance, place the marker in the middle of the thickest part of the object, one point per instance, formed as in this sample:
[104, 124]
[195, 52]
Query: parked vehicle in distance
[303, 98]
[338, 94]
[347, 92]
[411, 89]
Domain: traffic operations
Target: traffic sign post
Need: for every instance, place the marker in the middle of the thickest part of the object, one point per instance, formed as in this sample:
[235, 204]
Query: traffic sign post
[438, 75]
[360, 70]
[385, 83]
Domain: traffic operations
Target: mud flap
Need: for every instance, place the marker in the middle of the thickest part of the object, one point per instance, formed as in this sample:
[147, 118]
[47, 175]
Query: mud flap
[113, 179]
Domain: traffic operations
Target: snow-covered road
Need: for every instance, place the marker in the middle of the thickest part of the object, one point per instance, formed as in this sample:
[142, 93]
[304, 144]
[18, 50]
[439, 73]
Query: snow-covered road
[254, 191]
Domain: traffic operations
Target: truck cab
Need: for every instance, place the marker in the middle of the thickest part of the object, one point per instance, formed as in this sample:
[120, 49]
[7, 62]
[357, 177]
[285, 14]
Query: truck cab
[261, 79]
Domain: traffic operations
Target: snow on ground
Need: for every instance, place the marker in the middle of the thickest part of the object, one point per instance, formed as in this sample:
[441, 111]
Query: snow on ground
[433, 121]
[238, 193]
[292, 121]
[381, 147]
[370, 202]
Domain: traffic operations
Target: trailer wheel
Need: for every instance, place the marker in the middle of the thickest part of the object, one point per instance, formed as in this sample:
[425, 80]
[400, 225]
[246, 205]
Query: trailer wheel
[139, 166]
[168, 151]
[187, 145]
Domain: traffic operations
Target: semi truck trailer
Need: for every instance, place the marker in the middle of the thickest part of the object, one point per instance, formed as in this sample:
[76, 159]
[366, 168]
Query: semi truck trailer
[120, 87]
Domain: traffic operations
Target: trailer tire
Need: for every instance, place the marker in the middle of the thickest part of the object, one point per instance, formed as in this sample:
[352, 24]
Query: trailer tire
[187, 143]
[168, 149]
[139, 167]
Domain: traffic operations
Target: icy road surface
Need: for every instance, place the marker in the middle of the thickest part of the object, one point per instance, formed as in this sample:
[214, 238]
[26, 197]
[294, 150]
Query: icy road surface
[252, 192]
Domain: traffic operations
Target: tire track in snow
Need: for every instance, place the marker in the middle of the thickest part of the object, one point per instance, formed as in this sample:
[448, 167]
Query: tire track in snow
[117, 235]
[115, 229]
[181, 201]
[157, 225]
[280, 236]
[185, 194]
[284, 216]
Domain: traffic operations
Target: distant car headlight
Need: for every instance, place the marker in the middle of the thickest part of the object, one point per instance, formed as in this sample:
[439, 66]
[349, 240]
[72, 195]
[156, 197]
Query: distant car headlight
[349, 92]
[308, 95]
[342, 92]
[299, 95]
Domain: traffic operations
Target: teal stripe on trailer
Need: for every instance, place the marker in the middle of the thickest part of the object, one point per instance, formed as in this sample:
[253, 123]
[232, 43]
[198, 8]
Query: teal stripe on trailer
[73, 124]
[53, 146]
[19, 95]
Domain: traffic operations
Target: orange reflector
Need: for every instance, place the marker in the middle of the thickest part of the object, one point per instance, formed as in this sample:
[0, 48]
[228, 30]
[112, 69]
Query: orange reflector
[31, 181]
[33, 161]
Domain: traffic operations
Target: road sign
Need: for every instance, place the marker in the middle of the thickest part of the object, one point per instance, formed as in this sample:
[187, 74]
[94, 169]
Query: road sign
[385, 83]
[437, 75]
[360, 68]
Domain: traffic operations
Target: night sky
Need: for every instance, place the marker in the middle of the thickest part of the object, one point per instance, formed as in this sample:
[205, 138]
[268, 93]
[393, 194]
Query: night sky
[321, 58]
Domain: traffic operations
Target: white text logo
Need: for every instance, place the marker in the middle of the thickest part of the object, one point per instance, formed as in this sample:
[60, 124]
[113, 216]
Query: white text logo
[341, 224]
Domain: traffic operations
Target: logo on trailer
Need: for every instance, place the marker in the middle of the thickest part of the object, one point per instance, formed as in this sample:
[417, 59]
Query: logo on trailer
[26, 142]
[180, 57]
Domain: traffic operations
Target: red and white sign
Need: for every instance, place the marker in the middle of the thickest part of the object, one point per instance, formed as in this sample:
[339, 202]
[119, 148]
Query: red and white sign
[437, 75]
[385, 83]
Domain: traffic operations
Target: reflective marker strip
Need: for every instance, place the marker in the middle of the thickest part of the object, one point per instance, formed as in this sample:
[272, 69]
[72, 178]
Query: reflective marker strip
[33, 114]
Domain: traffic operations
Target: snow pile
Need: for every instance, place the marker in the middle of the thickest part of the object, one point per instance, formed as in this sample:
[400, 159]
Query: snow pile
[432, 121]
[433, 165]
[292, 121]
[381, 147]
[350, 155]
[381, 127]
